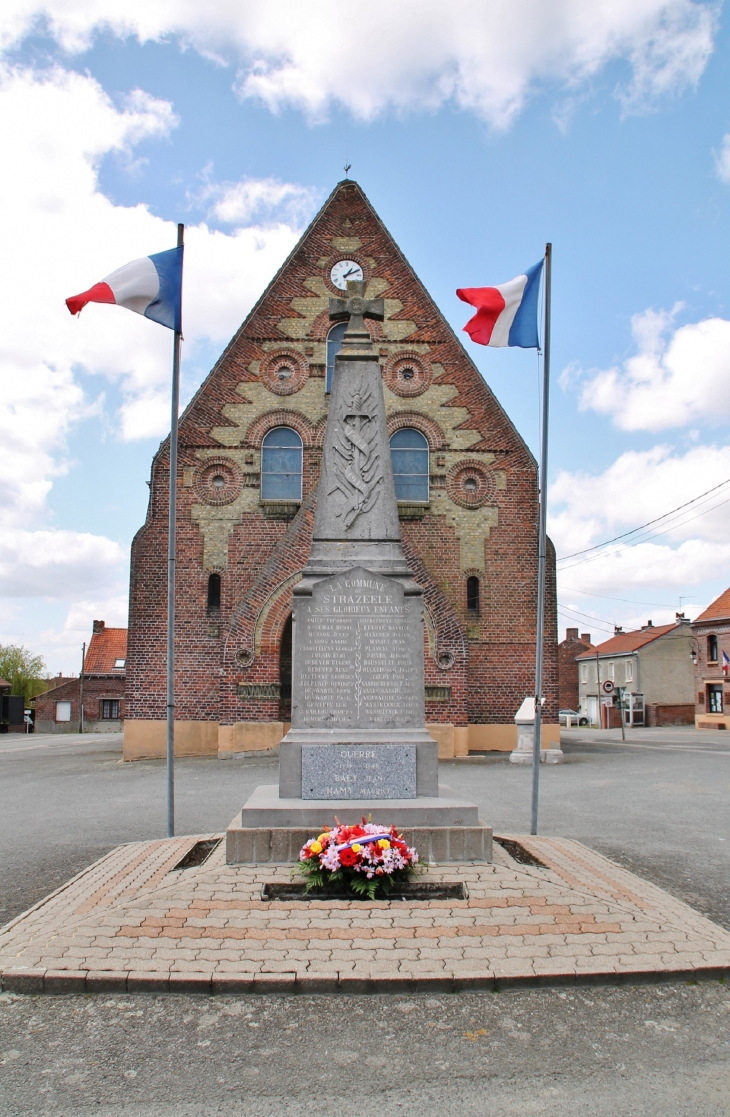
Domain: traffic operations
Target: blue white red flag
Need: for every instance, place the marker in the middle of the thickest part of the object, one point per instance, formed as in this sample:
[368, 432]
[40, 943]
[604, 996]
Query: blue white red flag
[151, 286]
[506, 314]
[725, 663]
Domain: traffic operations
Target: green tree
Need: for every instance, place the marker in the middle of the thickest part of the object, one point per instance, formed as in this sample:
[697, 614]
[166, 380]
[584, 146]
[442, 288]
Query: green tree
[23, 670]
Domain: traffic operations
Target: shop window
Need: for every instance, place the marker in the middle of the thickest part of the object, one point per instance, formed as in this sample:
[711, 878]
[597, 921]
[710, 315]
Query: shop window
[409, 455]
[110, 709]
[714, 699]
[472, 595]
[281, 465]
[214, 591]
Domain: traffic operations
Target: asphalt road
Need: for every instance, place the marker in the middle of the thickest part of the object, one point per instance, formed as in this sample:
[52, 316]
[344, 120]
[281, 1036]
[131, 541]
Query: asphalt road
[657, 804]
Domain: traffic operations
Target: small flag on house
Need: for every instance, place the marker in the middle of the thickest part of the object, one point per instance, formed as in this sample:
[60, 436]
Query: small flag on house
[506, 314]
[151, 286]
[725, 663]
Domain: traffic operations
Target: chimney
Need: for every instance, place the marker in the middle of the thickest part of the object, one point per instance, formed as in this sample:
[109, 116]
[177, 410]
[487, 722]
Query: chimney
[99, 627]
[649, 624]
[571, 634]
[618, 629]
[585, 637]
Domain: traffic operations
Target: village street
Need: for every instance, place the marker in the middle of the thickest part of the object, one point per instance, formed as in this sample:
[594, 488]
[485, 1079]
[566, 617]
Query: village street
[656, 804]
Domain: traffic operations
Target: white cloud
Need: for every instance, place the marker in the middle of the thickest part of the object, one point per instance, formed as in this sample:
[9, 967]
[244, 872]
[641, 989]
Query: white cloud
[416, 55]
[678, 376]
[57, 564]
[60, 235]
[236, 203]
[586, 509]
[722, 160]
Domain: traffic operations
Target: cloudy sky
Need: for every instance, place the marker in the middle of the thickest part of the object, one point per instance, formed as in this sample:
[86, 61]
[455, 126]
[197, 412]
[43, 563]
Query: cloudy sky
[479, 129]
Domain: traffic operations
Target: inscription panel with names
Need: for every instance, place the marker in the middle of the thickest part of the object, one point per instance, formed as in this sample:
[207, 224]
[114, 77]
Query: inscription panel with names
[358, 655]
[358, 772]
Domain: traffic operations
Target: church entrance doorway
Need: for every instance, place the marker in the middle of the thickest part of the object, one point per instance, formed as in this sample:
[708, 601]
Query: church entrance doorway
[285, 673]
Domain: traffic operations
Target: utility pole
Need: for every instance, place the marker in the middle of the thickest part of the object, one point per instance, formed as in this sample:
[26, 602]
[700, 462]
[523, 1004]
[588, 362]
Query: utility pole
[81, 688]
[598, 692]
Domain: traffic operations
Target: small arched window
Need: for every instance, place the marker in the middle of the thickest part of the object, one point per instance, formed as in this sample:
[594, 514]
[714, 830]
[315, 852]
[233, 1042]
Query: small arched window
[281, 465]
[712, 648]
[409, 455]
[334, 344]
[472, 595]
[214, 591]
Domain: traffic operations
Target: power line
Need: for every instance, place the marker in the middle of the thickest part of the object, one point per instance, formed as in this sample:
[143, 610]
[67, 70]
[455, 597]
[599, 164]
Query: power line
[626, 600]
[624, 535]
[646, 538]
[595, 622]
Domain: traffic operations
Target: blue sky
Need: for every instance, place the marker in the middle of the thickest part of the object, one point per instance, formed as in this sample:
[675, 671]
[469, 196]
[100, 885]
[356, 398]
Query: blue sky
[479, 131]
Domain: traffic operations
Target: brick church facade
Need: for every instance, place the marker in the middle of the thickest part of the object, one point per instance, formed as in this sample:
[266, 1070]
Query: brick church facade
[249, 456]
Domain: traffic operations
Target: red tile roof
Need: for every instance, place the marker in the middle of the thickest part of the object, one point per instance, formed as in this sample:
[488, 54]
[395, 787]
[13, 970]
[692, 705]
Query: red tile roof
[628, 641]
[719, 608]
[105, 649]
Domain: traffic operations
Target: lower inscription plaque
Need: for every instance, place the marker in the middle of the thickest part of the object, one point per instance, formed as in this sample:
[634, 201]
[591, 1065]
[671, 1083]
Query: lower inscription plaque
[358, 771]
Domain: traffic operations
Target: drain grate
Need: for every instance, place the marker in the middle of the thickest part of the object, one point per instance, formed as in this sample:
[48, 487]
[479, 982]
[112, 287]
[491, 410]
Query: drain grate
[418, 890]
[519, 853]
[198, 854]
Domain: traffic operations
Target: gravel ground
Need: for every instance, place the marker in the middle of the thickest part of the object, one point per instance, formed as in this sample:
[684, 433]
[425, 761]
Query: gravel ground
[603, 1053]
[657, 804]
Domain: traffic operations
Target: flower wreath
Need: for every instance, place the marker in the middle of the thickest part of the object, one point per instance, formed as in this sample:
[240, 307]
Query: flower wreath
[367, 859]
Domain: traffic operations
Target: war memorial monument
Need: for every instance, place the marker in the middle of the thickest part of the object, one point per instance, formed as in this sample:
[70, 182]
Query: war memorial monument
[358, 743]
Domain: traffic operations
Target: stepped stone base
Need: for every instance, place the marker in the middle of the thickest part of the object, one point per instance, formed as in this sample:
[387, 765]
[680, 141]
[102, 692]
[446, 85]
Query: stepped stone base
[441, 844]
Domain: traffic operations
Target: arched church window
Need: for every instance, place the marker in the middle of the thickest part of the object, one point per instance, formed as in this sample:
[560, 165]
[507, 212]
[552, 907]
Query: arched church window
[281, 465]
[334, 344]
[472, 595]
[409, 455]
[214, 591]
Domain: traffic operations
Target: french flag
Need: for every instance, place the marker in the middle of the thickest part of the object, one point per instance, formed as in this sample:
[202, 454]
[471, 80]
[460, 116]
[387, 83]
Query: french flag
[151, 286]
[506, 314]
[725, 663]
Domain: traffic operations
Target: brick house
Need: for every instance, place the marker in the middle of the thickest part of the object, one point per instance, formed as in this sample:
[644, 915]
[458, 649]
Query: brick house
[711, 653]
[58, 709]
[573, 645]
[654, 668]
[249, 455]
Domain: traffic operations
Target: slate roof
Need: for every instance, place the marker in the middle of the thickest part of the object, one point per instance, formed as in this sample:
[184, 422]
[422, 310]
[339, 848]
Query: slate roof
[105, 649]
[626, 642]
[720, 608]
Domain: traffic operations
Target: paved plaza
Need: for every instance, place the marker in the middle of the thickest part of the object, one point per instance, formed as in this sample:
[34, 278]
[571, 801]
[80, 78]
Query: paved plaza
[135, 923]
[656, 807]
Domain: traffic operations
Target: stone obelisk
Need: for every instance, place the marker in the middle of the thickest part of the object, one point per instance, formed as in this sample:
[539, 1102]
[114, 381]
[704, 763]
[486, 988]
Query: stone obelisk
[358, 741]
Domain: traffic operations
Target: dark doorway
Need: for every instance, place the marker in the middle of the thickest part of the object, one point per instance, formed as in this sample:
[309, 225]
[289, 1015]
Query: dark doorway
[285, 673]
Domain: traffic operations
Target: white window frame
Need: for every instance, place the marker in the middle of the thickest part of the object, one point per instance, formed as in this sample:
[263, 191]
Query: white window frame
[584, 672]
[61, 709]
[629, 671]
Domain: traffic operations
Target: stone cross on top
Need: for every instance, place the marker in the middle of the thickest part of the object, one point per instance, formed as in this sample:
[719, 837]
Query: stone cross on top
[354, 310]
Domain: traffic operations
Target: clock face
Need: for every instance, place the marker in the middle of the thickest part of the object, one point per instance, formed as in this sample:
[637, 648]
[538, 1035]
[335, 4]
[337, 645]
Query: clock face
[343, 271]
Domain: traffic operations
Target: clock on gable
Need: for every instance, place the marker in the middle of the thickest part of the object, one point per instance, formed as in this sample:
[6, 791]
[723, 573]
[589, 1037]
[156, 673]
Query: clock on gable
[343, 271]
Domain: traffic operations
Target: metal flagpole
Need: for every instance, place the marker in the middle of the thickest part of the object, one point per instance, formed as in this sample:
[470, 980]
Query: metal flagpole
[171, 540]
[542, 545]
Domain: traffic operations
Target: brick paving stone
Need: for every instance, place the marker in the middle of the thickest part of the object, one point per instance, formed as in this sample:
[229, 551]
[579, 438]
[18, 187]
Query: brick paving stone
[128, 921]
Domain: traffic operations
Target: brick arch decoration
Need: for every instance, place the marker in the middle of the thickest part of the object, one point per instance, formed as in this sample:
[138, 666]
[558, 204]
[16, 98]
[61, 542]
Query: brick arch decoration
[279, 358]
[428, 427]
[250, 652]
[311, 434]
[446, 656]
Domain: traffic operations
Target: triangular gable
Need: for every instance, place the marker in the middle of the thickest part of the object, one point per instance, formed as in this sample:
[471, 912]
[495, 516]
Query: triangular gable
[292, 311]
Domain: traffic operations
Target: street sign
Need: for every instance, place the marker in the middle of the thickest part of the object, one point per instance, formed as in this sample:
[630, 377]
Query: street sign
[608, 687]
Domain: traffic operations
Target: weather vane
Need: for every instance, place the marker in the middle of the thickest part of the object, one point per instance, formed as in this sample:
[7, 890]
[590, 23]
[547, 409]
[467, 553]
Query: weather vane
[347, 167]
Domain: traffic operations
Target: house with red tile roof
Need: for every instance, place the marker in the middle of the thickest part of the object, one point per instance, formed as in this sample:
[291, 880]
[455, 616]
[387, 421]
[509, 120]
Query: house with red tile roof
[651, 668]
[98, 694]
[711, 656]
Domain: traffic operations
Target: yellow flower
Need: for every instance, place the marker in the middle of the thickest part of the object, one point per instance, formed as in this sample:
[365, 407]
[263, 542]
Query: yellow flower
[356, 848]
[384, 843]
[316, 847]
[322, 837]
